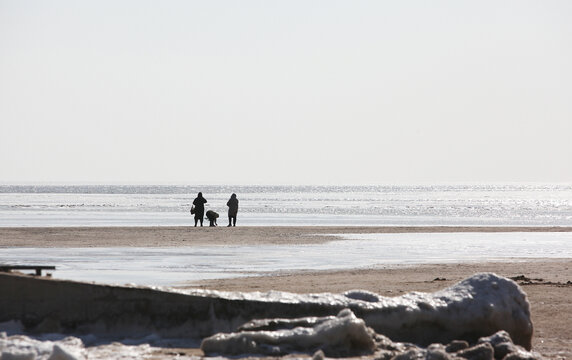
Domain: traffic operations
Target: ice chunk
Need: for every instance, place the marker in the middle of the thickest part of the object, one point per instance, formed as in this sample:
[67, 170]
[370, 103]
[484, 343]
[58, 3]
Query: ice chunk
[362, 295]
[474, 307]
[59, 352]
[478, 306]
[343, 335]
[20, 347]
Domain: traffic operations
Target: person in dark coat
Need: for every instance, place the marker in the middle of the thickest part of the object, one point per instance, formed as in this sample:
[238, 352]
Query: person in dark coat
[232, 210]
[199, 204]
[212, 216]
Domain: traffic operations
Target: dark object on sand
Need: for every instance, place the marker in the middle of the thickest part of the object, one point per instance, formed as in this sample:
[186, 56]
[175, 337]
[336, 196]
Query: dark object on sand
[38, 268]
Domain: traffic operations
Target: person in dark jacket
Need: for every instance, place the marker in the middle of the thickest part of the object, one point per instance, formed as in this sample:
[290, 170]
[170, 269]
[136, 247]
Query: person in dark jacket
[232, 210]
[199, 204]
[212, 216]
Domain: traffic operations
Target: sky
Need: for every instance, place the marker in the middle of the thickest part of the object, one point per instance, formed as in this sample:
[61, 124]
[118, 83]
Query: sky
[285, 92]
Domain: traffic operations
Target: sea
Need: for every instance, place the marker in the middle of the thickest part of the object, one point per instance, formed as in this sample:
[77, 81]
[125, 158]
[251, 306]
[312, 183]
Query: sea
[283, 205]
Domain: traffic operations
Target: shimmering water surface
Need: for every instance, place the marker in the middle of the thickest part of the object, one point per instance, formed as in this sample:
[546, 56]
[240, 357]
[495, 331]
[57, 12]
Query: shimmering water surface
[127, 205]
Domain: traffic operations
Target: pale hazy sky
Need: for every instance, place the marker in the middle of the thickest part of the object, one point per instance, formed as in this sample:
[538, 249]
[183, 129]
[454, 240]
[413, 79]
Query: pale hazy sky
[301, 92]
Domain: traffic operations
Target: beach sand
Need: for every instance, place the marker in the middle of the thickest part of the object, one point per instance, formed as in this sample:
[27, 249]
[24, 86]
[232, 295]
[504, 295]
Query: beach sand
[547, 282]
[189, 236]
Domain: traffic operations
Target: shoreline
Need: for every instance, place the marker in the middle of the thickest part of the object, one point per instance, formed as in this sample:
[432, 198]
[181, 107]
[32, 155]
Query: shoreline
[170, 236]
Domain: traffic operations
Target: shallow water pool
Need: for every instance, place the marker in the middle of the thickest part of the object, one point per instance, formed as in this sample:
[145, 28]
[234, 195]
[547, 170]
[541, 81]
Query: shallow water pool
[172, 266]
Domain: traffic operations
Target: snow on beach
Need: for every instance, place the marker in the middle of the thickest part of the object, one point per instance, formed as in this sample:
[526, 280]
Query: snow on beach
[480, 305]
[21, 347]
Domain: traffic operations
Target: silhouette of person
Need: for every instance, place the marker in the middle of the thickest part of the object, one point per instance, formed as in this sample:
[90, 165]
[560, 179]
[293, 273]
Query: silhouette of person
[232, 209]
[212, 216]
[199, 203]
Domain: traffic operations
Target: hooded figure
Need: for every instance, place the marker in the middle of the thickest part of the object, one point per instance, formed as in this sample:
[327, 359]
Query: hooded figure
[232, 210]
[199, 203]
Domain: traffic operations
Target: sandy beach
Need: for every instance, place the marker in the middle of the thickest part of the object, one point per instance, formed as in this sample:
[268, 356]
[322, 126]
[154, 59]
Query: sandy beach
[547, 282]
[191, 236]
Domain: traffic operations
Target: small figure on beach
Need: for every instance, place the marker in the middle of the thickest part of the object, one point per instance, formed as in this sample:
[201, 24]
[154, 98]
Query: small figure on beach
[212, 216]
[199, 204]
[232, 210]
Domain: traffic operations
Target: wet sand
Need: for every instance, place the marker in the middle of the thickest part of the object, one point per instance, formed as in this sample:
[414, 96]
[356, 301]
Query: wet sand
[547, 282]
[190, 236]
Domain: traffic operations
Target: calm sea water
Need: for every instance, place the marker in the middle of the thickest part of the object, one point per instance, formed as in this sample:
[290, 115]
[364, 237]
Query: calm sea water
[166, 205]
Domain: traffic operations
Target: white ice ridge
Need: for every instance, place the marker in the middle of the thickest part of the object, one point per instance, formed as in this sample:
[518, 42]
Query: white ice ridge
[478, 306]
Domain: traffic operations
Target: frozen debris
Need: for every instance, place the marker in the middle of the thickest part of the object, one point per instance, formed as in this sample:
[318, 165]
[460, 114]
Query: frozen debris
[456, 345]
[343, 335]
[19, 347]
[61, 353]
[346, 335]
[478, 306]
[483, 351]
[275, 324]
[474, 307]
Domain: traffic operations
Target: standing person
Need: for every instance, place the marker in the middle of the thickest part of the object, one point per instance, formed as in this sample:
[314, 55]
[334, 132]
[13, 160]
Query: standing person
[199, 203]
[232, 209]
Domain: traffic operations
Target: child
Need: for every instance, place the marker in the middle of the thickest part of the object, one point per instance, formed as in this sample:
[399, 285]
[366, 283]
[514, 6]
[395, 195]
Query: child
[212, 216]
